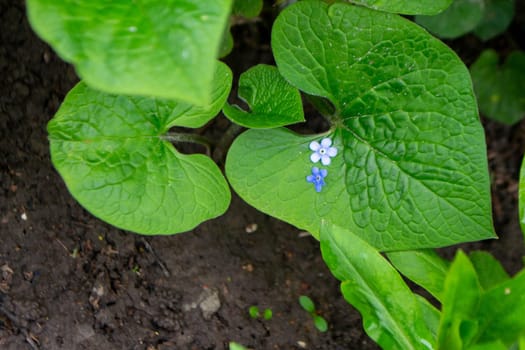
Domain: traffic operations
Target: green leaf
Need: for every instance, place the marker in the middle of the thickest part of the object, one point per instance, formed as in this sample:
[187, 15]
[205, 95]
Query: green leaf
[489, 270]
[236, 346]
[254, 311]
[460, 302]
[161, 48]
[406, 7]
[497, 16]
[496, 345]
[522, 197]
[268, 314]
[247, 8]
[110, 151]
[272, 100]
[501, 311]
[430, 314]
[499, 88]
[411, 171]
[423, 267]
[459, 19]
[307, 303]
[391, 313]
[320, 323]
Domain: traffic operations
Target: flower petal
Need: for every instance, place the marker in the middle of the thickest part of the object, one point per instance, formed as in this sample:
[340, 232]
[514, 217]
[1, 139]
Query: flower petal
[326, 142]
[310, 178]
[332, 151]
[326, 160]
[314, 145]
[324, 172]
[315, 157]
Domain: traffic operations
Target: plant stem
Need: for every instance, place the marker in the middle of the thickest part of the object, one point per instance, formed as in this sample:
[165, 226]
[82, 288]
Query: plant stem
[192, 138]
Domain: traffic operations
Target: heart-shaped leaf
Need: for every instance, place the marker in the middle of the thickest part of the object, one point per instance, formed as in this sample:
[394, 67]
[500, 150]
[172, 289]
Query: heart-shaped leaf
[406, 7]
[110, 151]
[161, 48]
[272, 100]
[411, 168]
[499, 88]
[460, 18]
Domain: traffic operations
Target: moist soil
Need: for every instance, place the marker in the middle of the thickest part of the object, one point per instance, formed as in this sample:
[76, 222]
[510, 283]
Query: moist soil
[70, 281]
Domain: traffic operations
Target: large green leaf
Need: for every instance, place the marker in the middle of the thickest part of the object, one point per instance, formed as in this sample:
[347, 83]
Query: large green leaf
[461, 298]
[110, 151]
[499, 88]
[272, 101]
[411, 171]
[162, 48]
[406, 7]
[424, 267]
[460, 18]
[392, 314]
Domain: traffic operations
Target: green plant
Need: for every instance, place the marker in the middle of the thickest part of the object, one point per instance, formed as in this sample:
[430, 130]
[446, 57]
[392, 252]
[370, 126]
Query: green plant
[481, 306]
[308, 305]
[256, 313]
[402, 167]
[236, 346]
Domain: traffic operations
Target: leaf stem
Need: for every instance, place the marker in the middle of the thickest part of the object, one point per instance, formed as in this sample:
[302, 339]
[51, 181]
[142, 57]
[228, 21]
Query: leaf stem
[192, 138]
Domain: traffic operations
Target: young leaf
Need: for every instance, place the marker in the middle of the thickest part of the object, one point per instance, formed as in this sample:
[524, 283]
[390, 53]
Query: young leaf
[254, 311]
[423, 267]
[406, 7]
[497, 16]
[109, 149]
[499, 88]
[391, 313]
[272, 100]
[501, 311]
[459, 19]
[320, 323]
[489, 270]
[307, 303]
[460, 301]
[411, 168]
[161, 48]
[236, 346]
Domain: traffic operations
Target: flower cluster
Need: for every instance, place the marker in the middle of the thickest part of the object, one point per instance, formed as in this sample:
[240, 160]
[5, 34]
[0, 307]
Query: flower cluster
[321, 152]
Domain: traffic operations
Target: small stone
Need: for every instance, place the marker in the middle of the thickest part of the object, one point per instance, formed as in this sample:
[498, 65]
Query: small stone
[251, 228]
[210, 303]
[23, 216]
[301, 344]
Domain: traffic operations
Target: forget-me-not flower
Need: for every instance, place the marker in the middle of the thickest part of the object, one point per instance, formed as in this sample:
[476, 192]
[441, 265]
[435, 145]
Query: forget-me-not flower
[322, 151]
[317, 178]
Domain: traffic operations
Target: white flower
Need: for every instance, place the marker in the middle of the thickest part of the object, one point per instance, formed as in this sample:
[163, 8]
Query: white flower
[322, 151]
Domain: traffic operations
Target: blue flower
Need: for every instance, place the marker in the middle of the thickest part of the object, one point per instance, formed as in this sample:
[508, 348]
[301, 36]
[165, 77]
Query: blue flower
[317, 178]
[322, 151]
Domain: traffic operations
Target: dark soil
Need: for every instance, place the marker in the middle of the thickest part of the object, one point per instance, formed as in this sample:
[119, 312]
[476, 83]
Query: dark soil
[70, 281]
